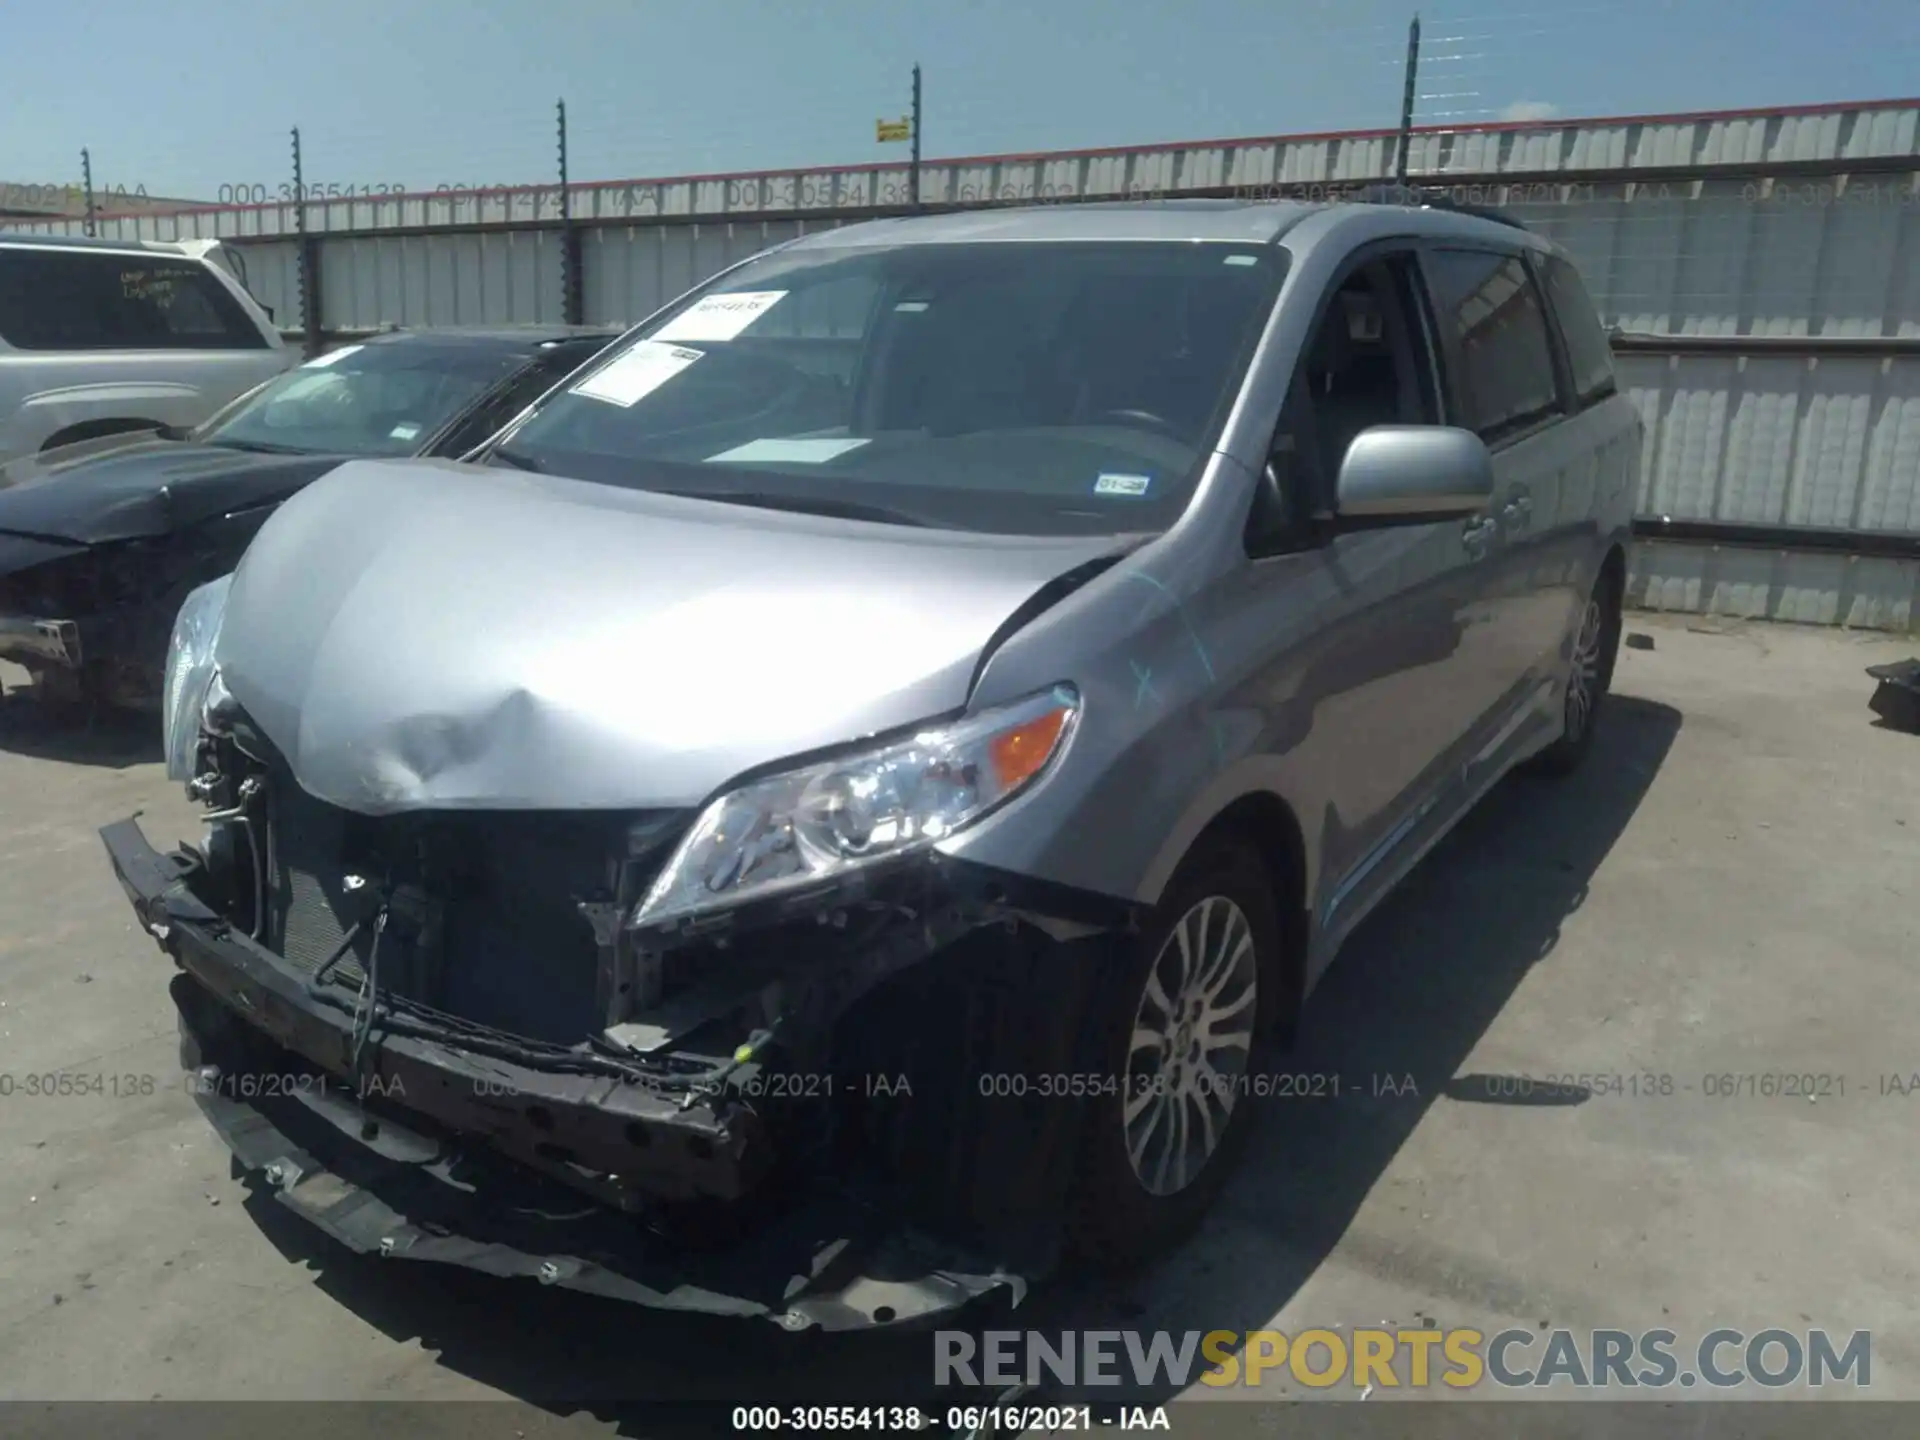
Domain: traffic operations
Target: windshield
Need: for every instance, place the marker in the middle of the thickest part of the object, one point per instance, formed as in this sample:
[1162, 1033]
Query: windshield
[362, 400]
[1033, 388]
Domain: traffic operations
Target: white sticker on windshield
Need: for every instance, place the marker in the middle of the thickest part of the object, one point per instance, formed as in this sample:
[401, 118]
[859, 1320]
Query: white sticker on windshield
[720, 317]
[1122, 484]
[331, 356]
[636, 373]
[403, 432]
[797, 451]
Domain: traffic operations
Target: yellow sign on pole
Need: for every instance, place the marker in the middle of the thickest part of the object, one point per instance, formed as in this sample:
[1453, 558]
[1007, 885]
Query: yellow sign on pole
[887, 131]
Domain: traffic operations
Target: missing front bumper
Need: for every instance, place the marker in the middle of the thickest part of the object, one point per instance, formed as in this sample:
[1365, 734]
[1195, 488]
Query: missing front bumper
[655, 1145]
[460, 1163]
[418, 1195]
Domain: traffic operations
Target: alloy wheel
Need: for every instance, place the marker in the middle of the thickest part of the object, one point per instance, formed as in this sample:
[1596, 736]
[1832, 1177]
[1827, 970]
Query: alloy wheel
[1583, 683]
[1192, 1036]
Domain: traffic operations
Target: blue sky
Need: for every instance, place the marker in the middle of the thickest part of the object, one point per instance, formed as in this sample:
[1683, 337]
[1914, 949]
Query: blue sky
[184, 96]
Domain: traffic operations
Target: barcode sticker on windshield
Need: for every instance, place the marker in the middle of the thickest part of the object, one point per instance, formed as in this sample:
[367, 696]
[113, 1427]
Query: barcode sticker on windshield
[1122, 484]
[720, 317]
[408, 431]
[637, 373]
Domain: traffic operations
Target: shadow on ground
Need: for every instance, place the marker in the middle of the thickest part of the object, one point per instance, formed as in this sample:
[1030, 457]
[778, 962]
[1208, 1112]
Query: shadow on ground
[1414, 991]
[41, 730]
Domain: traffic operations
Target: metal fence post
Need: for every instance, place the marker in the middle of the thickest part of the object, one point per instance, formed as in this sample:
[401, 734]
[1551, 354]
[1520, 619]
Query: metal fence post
[572, 292]
[913, 168]
[86, 179]
[308, 268]
[1406, 103]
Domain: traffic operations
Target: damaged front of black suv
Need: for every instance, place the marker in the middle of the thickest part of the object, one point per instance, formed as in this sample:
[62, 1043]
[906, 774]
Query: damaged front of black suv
[101, 541]
[693, 1055]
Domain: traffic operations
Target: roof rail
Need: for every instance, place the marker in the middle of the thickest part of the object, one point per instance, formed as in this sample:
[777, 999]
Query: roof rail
[52, 240]
[1432, 198]
[57, 240]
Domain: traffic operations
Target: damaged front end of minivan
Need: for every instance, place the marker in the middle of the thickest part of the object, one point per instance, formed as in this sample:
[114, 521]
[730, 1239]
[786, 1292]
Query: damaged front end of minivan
[737, 1057]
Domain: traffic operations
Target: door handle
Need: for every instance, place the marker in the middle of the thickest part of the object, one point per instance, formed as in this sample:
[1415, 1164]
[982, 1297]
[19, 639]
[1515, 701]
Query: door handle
[1477, 534]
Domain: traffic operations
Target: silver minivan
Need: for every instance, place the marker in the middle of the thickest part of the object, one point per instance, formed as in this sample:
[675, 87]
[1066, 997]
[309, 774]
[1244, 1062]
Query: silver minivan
[831, 814]
[103, 336]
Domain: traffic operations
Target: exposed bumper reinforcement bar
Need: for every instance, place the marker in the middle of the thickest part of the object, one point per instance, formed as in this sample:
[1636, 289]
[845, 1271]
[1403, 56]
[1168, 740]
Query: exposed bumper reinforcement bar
[660, 1145]
[421, 1184]
[573, 1251]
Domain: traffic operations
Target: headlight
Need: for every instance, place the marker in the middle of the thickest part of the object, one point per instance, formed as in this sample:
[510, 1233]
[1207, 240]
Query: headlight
[822, 821]
[191, 674]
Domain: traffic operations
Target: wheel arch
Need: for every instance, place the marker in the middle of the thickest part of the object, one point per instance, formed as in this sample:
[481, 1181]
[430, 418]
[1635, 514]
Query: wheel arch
[98, 429]
[1613, 568]
[1268, 827]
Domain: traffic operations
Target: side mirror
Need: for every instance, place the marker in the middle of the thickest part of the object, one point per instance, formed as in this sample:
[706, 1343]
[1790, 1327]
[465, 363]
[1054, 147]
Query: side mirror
[1411, 474]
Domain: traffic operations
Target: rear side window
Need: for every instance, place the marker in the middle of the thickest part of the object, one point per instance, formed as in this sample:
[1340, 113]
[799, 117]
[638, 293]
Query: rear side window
[81, 300]
[1492, 314]
[1589, 353]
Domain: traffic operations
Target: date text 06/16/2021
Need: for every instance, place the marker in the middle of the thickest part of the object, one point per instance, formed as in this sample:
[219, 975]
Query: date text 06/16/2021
[1572, 1087]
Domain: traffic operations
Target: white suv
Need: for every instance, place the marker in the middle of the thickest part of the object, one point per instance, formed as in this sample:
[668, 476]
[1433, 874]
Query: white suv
[103, 336]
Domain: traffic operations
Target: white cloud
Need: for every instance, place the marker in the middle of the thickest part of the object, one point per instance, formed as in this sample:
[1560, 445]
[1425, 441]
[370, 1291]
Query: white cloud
[1530, 110]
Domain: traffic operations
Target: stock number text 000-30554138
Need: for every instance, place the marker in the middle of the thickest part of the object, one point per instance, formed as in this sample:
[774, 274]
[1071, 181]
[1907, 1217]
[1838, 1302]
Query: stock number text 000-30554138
[285, 193]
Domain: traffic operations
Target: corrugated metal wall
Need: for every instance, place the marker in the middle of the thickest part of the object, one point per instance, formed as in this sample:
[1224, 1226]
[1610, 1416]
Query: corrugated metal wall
[1740, 257]
[1657, 150]
[629, 271]
[497, 277]
[1884, 136]
[1831, 443]
[273, 275]
[1660, 260]
[1764, 268]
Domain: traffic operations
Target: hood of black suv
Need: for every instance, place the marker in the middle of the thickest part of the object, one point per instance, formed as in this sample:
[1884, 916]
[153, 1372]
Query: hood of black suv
[144, 488]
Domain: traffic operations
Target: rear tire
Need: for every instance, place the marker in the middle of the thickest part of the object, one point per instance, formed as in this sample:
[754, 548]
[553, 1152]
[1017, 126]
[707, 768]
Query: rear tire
[1589, 677]
[1186, 1021]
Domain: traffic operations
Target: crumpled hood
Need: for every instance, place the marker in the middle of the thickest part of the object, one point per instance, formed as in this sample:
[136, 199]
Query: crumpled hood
[125, 490]
[426, 635]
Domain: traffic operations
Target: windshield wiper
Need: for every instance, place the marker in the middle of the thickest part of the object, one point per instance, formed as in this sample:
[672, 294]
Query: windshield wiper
[516, 460]
[807, 505]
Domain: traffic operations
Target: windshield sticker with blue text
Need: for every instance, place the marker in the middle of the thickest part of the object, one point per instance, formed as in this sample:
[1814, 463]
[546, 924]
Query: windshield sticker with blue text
[333, 356]
[719, 317]
[637, 373]
[799, 450]
[1122, 484]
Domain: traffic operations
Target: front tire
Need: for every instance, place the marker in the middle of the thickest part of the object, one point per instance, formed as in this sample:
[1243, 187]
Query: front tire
[1181, 1028]
[1589, 677]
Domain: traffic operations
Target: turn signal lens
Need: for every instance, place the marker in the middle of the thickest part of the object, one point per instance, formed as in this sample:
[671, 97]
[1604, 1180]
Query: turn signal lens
[1020, 753]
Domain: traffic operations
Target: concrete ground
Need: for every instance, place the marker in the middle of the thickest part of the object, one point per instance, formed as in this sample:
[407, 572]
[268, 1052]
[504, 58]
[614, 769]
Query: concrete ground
[1728, 888]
